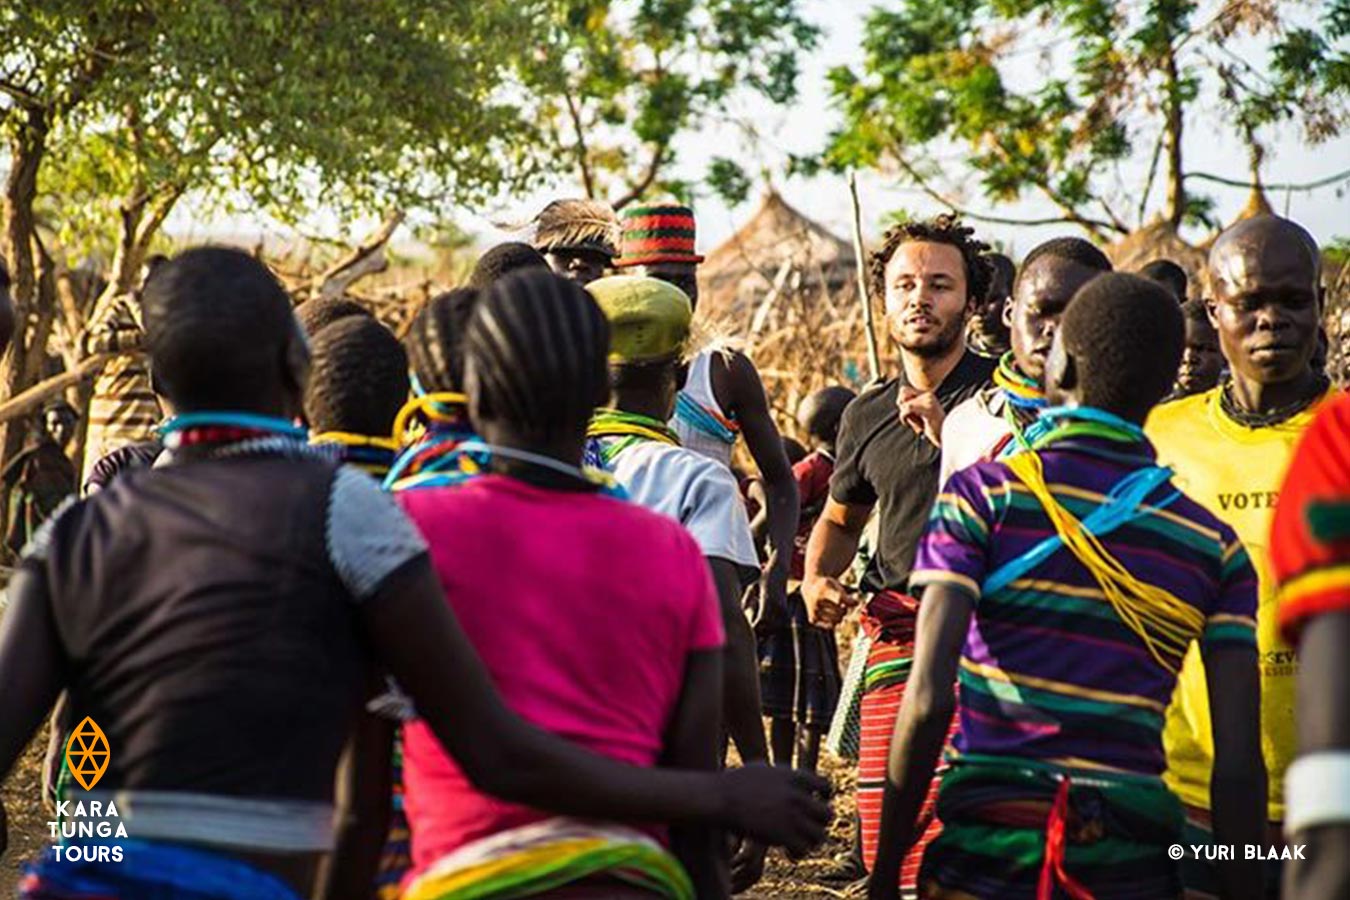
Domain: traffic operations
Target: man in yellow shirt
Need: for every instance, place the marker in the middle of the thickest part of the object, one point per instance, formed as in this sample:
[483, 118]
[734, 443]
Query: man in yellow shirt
[1230, 447]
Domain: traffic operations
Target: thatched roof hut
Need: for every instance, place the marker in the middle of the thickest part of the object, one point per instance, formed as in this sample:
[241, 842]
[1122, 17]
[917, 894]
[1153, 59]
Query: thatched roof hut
[1161, 241]
[1158, 241]
[780, 251]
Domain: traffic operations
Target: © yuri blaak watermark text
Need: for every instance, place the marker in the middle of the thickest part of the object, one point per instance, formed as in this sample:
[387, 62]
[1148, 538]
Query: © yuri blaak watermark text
[1218, 852]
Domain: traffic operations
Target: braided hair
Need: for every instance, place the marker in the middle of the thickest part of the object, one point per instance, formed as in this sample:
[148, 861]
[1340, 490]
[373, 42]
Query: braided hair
[358, 378]
[435, 341]
[219, 330]
[536, 356]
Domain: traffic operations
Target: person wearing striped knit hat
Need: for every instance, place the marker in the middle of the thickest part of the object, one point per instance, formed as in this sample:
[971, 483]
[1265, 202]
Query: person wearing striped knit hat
[1062, 587]
[723, 396]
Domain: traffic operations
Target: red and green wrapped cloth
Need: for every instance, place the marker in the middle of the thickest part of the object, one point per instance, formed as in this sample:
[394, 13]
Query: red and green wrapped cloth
[1021, 829]
[1310, 534]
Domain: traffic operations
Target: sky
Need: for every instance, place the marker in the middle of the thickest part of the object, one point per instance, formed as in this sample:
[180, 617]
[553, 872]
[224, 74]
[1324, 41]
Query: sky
[802, 128]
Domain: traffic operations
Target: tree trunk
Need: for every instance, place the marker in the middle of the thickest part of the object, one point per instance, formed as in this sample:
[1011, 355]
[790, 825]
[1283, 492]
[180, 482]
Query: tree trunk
[1176, 182]
[26, 152]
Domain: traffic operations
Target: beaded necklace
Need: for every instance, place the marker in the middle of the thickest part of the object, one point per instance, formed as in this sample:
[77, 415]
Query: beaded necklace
[218, 434]
[629, 428]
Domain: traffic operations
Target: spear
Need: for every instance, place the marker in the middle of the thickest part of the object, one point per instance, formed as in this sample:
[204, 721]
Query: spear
[873, 355]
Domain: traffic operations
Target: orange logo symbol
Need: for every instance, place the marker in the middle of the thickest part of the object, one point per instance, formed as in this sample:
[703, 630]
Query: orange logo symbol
[87, 753]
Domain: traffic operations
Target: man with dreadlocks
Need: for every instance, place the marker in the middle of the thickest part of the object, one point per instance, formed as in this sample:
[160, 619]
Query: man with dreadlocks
[262, 585]
[358, 382]
[1230, 447]
[579, 238]
[723, 396]
[1065, 584]
[932, 276]
[649, 322]
[538, 545]
[992, 420]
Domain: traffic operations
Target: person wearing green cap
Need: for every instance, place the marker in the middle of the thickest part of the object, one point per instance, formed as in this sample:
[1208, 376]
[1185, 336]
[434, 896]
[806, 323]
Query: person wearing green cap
[649, 331]
[723, 396]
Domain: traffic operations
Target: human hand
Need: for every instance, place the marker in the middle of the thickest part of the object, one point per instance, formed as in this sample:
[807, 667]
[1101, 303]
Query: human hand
[776, 806]
[827, 601]
[921, 411]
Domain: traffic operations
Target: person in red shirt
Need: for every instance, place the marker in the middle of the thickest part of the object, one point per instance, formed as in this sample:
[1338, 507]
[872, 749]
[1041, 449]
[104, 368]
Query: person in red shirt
[799, 663]
[1310, 558]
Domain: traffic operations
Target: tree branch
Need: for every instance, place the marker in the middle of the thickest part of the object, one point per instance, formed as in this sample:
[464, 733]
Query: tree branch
[583, 152]
[364, 260]
[1290, 186]
[640, 187]
[38, 394]
[1093, 225]
[22, 95]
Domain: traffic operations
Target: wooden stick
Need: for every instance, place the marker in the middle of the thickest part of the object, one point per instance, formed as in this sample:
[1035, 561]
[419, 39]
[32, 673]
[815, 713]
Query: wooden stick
[35, 396]
[873, 354]
[366, 259]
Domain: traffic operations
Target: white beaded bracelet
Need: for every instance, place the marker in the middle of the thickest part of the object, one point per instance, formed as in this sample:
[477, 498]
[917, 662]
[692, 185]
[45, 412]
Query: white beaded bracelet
[1317, 791]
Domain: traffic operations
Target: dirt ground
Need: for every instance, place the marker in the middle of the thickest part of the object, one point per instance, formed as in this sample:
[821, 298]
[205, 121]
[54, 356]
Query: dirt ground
[783, 879]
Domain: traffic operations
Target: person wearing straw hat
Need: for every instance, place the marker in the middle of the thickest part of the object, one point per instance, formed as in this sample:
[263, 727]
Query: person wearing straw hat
[723, 396]
[579, 238]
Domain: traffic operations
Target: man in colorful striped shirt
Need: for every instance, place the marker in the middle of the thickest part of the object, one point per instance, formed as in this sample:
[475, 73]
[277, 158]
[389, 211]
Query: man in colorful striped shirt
[1062, 587]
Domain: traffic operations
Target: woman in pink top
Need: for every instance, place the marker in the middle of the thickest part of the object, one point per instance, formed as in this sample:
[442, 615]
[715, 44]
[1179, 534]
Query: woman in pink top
[596, 618]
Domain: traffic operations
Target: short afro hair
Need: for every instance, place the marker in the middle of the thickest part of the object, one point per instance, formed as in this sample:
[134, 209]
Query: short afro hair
[1195, 311]
[944, 229]
[317, 314]
[435, 341]
[1073, 249]
[1169, 275]
[1126, 336]
[218, 328]
[501, 261]
[358, 378]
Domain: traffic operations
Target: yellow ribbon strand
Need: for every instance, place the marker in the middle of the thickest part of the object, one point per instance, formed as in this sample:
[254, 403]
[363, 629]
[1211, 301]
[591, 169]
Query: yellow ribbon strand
[426, 406]
[1163, 622]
